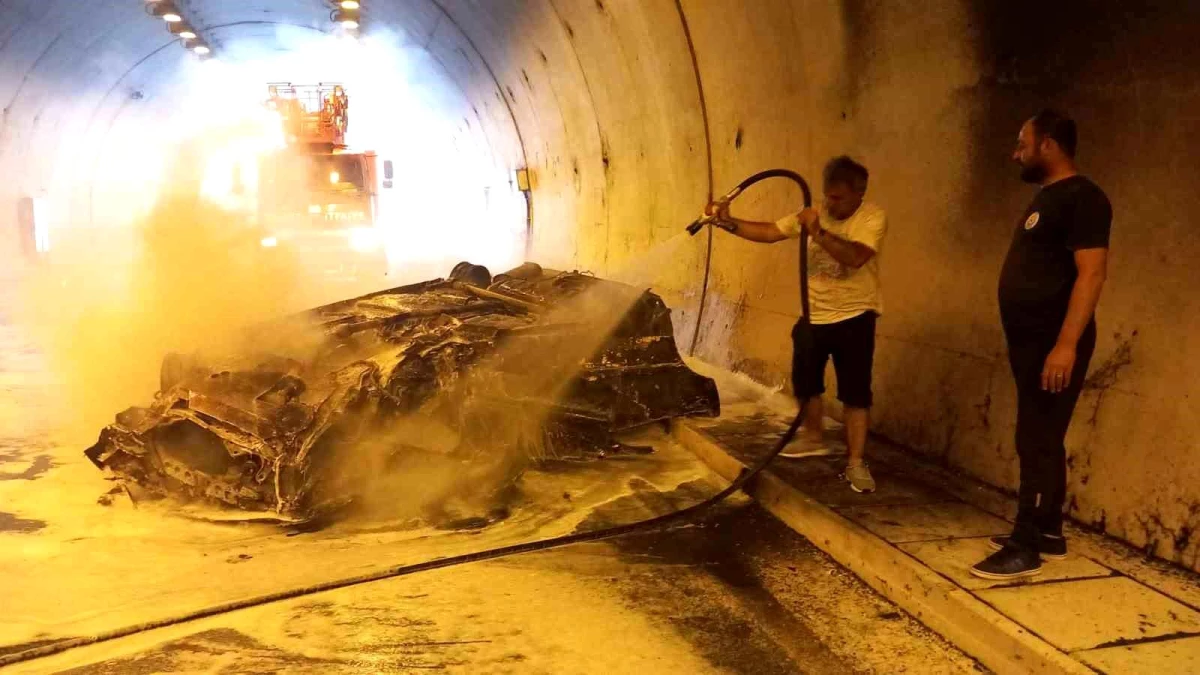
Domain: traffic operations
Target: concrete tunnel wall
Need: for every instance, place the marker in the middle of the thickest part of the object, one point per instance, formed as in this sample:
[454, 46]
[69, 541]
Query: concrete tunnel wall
[631, 112]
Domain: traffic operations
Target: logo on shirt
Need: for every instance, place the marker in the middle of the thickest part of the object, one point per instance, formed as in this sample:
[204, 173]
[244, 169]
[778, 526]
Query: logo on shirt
[1032, 221]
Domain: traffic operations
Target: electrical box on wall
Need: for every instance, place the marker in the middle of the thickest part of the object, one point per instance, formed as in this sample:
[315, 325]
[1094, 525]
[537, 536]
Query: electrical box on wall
[524, 180]
[33, 228]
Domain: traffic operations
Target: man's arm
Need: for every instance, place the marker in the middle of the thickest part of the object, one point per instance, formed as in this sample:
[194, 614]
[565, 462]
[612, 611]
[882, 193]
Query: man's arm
[849, 253]
[753, 230]
[1092, 266]
[853, 254]
[750, 230]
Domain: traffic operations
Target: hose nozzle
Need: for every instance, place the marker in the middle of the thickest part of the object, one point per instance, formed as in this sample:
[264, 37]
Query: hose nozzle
[699, 223]
[723, 201]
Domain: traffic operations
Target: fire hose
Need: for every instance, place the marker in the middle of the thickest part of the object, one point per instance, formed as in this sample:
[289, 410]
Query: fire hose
[801, 333]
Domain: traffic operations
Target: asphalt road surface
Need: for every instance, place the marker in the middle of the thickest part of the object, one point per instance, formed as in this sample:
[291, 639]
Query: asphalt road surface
[733, 592]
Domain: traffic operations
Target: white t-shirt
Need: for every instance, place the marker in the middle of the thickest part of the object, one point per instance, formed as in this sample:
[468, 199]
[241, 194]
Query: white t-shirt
[837, 292]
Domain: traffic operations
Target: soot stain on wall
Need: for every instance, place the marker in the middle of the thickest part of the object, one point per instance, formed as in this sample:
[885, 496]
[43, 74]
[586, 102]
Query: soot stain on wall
[1104, 375]
[1079, 55]
[858, 21]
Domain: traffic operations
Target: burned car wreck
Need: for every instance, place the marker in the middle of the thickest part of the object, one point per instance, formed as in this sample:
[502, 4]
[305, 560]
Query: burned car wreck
[480, 374]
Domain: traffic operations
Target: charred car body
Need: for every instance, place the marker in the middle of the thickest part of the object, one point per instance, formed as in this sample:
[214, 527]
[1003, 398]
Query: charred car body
[471, 370]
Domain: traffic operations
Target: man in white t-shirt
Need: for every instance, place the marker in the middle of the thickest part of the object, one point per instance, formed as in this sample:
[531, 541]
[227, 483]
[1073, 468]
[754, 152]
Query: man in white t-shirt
[845, 299]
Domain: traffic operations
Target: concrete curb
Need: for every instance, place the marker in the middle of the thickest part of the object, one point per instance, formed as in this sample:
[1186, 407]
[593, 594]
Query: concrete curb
[971, 625]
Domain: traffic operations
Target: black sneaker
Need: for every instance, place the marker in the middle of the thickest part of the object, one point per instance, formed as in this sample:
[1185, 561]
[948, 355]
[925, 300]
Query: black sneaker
[1009, 563]
[1049, 547]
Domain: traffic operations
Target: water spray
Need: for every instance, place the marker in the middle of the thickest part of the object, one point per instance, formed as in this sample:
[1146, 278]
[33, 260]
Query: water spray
[801, 333]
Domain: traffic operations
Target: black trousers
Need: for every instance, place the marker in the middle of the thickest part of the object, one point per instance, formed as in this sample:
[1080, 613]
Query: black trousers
[1042, 422]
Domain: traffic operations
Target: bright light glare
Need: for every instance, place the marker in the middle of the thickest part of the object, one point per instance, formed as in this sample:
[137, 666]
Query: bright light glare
[187, 35]
[230, 177]
[335, 177]
[201, 49]
[269, 242]
[314, 209]
[350, 4]
[172, 17]
[350, 24]
[399, 112]
[364, 239]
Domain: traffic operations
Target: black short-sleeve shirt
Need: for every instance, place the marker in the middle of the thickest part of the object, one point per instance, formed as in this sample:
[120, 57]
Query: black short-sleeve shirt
[1039, 272]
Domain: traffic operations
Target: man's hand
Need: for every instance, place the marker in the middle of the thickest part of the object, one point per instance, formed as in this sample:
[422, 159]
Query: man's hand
[720, 209]
[1060, 363]
[810, 221]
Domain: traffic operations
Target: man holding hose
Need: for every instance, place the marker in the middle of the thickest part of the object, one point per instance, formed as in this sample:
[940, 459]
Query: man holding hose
[845, 298]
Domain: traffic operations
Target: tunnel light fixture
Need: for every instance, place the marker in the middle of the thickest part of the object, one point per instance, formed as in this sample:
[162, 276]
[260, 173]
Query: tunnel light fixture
[182, 30]
[348, 18]
[189, 37]
[166, 11]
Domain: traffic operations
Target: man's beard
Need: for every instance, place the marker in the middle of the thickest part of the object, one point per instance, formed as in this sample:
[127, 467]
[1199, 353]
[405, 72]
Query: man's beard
[1034, 173]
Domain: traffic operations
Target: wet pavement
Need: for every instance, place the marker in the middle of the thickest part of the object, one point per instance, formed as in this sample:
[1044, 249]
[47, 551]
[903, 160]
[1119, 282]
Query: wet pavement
[734, 592]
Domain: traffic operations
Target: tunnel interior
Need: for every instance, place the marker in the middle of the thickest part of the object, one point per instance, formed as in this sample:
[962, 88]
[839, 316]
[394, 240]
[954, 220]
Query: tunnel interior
[581, 134]
[107, 109]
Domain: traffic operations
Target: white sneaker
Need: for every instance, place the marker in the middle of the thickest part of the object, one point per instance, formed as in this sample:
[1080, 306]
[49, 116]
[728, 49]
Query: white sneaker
[805, 446]
[860, 478]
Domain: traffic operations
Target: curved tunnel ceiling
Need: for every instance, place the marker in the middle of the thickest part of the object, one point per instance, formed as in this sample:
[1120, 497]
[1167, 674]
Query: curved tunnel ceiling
[73, 70]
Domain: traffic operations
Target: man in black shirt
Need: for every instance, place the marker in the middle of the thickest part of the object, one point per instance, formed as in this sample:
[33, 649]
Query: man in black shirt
[1049, 288]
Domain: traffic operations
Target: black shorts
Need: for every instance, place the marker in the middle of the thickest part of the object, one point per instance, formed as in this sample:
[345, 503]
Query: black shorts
[851, 343]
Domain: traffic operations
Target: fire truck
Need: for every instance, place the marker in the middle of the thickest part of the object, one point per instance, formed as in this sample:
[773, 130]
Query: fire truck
[318, 201]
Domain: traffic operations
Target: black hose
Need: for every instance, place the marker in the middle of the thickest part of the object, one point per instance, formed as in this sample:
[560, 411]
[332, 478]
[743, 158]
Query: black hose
[703, 294]
[743, 478]
[779, 173]
[798, 180]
